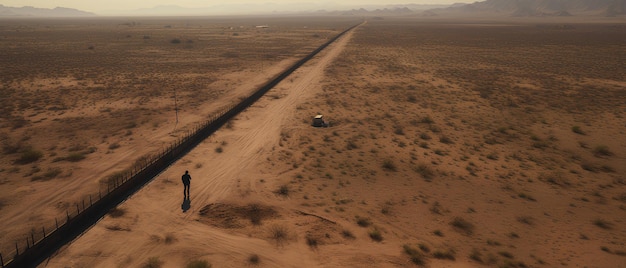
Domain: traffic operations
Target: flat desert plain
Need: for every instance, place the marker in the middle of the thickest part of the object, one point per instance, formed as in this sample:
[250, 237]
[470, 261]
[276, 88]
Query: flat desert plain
[452, 143]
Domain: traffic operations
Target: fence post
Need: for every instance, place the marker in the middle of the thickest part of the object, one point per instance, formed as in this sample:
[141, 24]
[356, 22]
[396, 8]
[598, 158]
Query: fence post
[56, 222]
[68, 215]
[77, 209]
[32, 235]
[43, 229]
[1, 261]
[17, 249]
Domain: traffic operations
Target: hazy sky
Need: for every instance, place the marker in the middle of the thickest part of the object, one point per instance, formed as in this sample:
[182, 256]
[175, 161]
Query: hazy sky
[101, 5]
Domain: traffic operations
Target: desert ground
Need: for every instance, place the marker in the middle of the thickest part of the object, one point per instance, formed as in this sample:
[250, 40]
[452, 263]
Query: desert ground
[452, 143]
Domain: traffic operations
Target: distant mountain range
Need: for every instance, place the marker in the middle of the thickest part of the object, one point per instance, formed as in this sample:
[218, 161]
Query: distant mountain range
[42, 12]
[273, 8]
[520, 8]
[533, 8]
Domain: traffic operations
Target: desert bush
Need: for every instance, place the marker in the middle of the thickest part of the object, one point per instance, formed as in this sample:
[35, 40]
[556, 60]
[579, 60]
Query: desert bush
[311, 241]
[602, 150]
[476, 255]
[425, 170]
[411, 99]
[426, 120]
[526, 220]
[28, 156]
[389, 165]
[376, 235]
[198, 264]
[10, 148]
[219, 149]
[117, 212]
[526, 196]
[283, 190]
[347, 234]
[363, 222]
[254, 259]
[153, 262]
[447, 254]
[351, 145]
[175, 41]
[556, 178]
[462, 226]
[425, 136]
[75, 157]
[436, 208]
[438, 233]
[578, 130]
[445, 139]
[114, 146]
[603, 224]
[48, 175]
[169, 238]
[416, 256]
[279, 233]
[506, 254]
[398, 130]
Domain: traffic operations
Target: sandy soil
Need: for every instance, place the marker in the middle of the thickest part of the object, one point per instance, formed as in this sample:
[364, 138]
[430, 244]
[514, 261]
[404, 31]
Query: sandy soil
[86, 122]
[452, 144]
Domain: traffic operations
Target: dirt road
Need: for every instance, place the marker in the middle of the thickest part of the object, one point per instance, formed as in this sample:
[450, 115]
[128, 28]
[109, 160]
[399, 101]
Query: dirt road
[222, 168]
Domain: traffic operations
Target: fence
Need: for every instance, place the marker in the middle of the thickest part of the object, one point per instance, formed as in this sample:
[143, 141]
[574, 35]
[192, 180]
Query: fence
[40, 244]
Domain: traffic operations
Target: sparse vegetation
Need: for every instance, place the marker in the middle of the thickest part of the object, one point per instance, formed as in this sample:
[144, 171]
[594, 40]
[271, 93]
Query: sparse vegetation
[198, 264]
[462, 226]
[603, 224]
[117, 212]
[347, 234]
[279, 233]
[254, 259]
[425, 171]
[283, 190]
[444, 254]
[363, 222]
[602, 151]
[416, 256]
[389, 165]
[376, 235]
[578, 130]
[153, 262]
[28, 156]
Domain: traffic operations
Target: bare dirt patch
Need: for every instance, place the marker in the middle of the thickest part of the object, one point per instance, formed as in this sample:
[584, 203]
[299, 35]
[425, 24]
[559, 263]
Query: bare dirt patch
[236, 216]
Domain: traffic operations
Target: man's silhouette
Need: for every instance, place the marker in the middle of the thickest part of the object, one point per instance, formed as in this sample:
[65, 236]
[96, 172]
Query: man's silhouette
[186, 182]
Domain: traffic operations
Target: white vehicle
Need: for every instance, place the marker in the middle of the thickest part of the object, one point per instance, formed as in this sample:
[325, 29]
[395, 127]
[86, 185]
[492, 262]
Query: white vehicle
[318, 121]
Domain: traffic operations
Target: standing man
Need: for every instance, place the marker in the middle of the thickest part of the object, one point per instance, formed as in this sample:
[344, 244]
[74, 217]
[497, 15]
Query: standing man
[186, 181]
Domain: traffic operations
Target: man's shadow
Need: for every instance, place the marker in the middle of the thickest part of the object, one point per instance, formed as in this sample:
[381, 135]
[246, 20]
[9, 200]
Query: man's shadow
[186, 205]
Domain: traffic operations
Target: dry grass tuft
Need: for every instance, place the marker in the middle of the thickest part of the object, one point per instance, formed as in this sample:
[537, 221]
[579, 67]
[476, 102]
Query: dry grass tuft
[462, 226]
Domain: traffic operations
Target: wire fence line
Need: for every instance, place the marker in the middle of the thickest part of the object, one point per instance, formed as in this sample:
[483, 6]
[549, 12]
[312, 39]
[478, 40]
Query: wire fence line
[39, 244]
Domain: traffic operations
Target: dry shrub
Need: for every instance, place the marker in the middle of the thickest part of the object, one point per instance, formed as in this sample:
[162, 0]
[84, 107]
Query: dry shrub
[363, 222]
[198, 264]
[425, 170]
[376, 235]
[254, 259]
[416, 256]
[153, 262]
[447, 254]
[117, 212]
[463, 226]
[279, 233]
[389, 165]
[29, 155]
